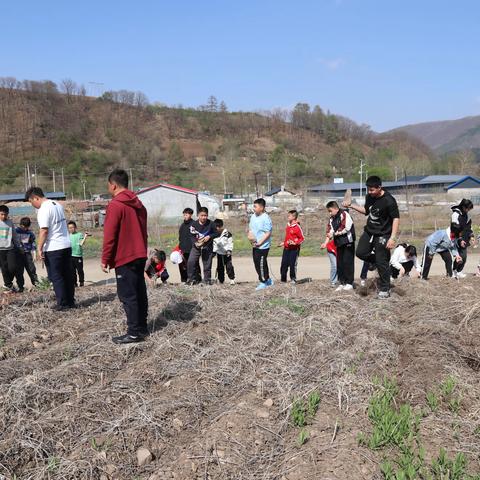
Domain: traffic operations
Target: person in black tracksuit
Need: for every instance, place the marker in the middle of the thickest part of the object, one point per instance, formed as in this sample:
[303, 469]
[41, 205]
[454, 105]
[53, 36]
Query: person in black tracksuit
[461, 228]
[380, 233]
[340, 228]
[185, 244]
[202, 235]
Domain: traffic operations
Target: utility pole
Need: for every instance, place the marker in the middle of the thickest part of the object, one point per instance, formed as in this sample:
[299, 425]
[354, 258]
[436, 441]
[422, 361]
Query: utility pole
[53, 179]
[84, 190]
[35, 175]
[269, 181]
[256, 184]
[25, 177]
[362, 164]
[396, 173]
[28, 175]
[131, 179]
[224, 182]
[63, 182]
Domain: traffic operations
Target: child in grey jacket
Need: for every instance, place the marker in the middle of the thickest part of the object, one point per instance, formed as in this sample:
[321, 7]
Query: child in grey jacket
[440, 242]
[11, 261]
[223, 248]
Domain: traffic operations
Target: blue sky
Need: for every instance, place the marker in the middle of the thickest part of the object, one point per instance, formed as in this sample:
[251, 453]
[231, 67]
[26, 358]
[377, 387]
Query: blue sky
[382, 62]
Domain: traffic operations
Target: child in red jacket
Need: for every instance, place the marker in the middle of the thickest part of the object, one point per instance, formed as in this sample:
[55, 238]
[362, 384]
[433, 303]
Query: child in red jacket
[291, 247]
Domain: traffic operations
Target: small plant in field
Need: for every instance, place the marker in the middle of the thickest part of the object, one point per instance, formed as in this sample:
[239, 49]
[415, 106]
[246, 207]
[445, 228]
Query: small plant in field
[43, 284]
[454, 404]
[303, 437]
[2, 342]
[313, 403]
[447, 387]
[297, 414]
[476, 431]
[432, 401]
[285, 302]
[53, 464]
[443, 467]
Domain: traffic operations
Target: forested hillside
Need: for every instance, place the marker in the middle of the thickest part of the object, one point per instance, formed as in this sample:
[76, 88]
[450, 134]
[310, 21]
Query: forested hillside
[59, 129]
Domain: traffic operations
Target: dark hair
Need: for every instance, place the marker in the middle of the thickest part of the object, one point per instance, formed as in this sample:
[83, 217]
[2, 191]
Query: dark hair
[218, 223]
[411, 250]
[71, 222]
[188, 210]
[34, 192]
[25, 222]
[160, 254]
[203, 210]
[260, 201]
[120, 177]
[294, 213]
[332, 204]
[465, 204]
[374, 181]
[4, 209]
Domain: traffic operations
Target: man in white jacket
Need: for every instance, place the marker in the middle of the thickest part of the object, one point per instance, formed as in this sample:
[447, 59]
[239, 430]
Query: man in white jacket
[223, 248]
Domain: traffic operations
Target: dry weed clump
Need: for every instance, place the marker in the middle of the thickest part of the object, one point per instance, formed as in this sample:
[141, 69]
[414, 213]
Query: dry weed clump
[209, 393]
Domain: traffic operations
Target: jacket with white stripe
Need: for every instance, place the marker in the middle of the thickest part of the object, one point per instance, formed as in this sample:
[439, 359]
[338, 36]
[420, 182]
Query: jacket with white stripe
[341, 225]
[293, 236]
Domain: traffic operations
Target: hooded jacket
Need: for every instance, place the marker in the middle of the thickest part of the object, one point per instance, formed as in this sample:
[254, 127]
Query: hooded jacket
[125, 230]
[460, 223]
[341, 225]
[185, 237]
[293, 236]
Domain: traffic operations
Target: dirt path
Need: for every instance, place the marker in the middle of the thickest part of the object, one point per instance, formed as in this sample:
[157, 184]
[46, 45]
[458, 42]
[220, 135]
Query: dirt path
[318, 268]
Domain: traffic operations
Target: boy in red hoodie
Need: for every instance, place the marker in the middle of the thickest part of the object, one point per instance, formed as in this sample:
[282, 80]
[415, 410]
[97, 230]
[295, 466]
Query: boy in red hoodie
[291, 247]
[125, 250]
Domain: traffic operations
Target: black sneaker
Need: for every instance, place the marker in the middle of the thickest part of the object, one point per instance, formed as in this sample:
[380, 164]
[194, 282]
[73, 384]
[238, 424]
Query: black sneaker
[123, 339]
[59, 308]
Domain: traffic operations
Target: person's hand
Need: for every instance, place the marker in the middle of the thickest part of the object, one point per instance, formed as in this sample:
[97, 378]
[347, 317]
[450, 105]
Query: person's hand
[229, 253]
[323, 246]
[402, 271]
[40, 256]
[458, 259]
[391, 243]
[416, 274]
[280, 244]
[346, 204]
[251, 237]
[206, 239]
[105, 268]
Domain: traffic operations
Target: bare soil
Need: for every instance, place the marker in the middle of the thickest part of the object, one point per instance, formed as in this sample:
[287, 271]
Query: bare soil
[75, 406]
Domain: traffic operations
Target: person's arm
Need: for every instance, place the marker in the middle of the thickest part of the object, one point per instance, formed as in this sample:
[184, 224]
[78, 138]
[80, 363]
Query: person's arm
[85, 235]
[395, 260]
[328, 236]
[268, 232]
[393, 237]
[354, 206]
[300, 238]
[16, 239]
[42, 238]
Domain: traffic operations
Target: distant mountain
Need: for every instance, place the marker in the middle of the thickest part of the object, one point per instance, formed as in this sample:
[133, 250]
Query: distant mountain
[447, 136]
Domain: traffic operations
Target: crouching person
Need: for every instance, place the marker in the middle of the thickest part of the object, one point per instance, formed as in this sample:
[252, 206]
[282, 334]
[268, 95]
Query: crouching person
[155, 269]
[403, 260]
[440, 242]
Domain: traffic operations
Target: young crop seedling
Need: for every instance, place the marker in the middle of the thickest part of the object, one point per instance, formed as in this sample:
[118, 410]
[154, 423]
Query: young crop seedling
[447, 387]
[297, 413]
[303, 437]
[313, 403]
[432, 401]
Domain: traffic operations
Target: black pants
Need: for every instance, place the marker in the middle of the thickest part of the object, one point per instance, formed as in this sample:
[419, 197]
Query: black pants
[346, 264]
[459, 266]
[206, 254]
[380, 257]
[364, 272]
[30, 267]
[132, 292]
[407, 266]
[11, 264]
[59, 269]
[77, 269]
[224, 262]
[428, 258]
[289, 261]
[183, 269]
[261, 265]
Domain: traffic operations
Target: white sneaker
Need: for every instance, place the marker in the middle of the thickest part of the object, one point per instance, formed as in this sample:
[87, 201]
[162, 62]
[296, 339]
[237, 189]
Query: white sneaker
[339, 288]
[461, 275]
[232, 282]
[348, 286]
[363, 283]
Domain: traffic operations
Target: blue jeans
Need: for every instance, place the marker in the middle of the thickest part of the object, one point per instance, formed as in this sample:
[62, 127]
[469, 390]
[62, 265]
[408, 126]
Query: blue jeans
[333, 267]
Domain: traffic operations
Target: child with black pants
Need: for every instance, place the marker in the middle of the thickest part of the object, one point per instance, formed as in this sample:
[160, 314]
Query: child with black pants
[223, 248]
[291, 247]
[27, 241]
[340, 228]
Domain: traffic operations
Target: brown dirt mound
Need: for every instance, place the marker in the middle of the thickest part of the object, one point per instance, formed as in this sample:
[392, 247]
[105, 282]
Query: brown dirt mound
[75, 406]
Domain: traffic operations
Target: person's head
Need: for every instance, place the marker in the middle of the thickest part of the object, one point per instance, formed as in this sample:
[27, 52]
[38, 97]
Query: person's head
[259, 206]
[202, 214]
[410, 251]
[374, 186]
[4, 211]
[187, 214]
[72, 226]
[218, 224]
[465, 205]
[35, 196]
[117, 181]
[332, 208]
[292, 216]
[159, 256]
[25, 223]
